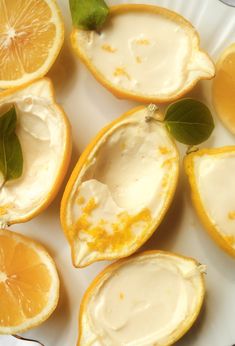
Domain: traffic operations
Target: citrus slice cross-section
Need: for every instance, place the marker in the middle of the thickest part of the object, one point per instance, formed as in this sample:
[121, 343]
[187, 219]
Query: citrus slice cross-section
[31, 35]
[152, 298]
[29, 284]
[120, 189]
[224, 88]
[211, 176]
[44, 134]
[144, 52]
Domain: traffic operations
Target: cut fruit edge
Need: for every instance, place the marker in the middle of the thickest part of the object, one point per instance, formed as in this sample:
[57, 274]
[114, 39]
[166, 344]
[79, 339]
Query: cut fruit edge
[28, 78]
[54, 290]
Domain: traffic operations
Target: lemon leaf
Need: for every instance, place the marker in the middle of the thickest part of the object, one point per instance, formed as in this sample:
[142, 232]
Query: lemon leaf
[11, 157]
[88, 14]
[189, 121]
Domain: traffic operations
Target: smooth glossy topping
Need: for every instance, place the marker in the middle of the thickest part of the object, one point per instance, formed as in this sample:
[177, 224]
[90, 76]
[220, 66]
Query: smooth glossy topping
[122, 189]
[145, 51]
[150, 299]
[42, 132]
[214, 179]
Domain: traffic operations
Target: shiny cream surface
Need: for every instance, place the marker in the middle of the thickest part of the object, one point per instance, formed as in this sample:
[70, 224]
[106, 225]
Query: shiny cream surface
[122, 188]
[41, 132]
[142, 302]
[214, 176]
[146, 53]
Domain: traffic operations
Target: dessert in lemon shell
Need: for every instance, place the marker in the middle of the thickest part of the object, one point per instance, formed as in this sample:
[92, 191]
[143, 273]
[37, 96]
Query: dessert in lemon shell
[120, 189]
[146, 53]
[211, 177]
[44, 134]
[152, 298]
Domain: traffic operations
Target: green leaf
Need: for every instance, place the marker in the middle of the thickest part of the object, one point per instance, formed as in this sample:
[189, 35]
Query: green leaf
[88, 14]
[189, 121]
[11, 157]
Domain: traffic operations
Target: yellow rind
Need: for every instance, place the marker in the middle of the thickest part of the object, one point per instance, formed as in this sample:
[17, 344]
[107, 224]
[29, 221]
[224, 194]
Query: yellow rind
[40, 248]
[119, 92]
[81, 162]
[179, 332]
[67, 151]
[197, 202]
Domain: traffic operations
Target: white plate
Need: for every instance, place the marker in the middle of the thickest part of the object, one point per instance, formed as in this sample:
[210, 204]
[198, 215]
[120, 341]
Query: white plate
[89, 107]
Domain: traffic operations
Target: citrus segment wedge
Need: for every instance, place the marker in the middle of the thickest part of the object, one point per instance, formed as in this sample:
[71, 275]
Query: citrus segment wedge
[29, 284]
[224, 88]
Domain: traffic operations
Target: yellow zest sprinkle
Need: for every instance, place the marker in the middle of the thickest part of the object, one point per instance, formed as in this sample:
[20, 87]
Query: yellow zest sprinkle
[120, 71]
[164, 150]
[138, 59]
[108, 48]
[123, 146]
[165, 180]
[231, 215]
[168, 162]
[91, 205]
[121, 295]
[121, 232]
[143, 42]
[4, 209]
[80, 200]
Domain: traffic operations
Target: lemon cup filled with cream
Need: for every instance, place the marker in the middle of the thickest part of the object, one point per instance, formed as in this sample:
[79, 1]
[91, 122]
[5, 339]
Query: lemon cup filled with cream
[150, 299]
[120, 189]
[211, 176]
[144, 52]
[44, 134]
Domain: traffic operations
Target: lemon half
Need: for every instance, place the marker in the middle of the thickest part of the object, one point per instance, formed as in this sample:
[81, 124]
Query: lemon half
[149, 299]
[31, 36]
[29, 283]
[44, 134]
[144, 52]
[120, 188]
[211, 176]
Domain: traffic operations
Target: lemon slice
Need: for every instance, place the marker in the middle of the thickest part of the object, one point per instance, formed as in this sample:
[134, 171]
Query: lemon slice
[211, 176]
[144, 52]
[120, 189]
[29, 284]
[149, 299]
[44, 135]
[31, 36]
[224, 88]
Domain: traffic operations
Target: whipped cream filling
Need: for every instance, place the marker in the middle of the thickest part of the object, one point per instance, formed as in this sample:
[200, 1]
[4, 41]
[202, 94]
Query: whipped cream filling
[142, 302]
[123, 188]
[214, 176]
[41, 132]
[146, 53]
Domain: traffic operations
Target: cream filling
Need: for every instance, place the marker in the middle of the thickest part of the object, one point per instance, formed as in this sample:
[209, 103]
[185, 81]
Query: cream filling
[215, 182]
[142, 302]
[132, 169]
[146, 53]
[41, 134]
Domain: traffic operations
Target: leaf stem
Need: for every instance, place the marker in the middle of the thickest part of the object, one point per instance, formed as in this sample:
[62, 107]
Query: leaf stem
[191, 149]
